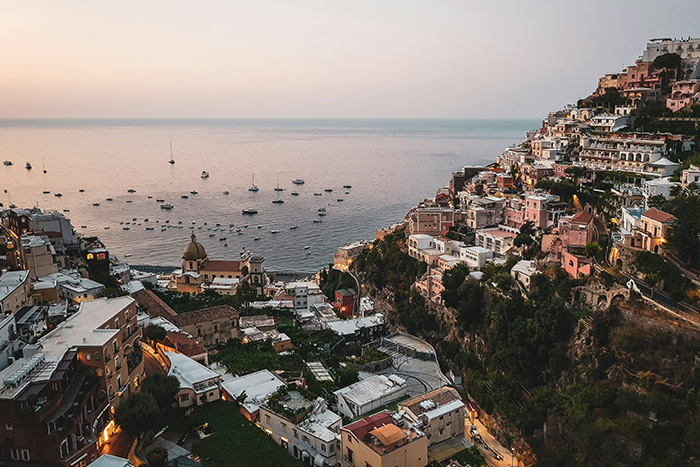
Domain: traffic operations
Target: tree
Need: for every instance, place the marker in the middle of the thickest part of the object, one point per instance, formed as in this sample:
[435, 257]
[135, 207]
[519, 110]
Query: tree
[657, 201]
[246, 293]
[575, 172]
[684, 236]
[154, 333]
[138, 414]
[668, 61]
[592, 249]
[527, 230]
[162, 388]
[158, 457]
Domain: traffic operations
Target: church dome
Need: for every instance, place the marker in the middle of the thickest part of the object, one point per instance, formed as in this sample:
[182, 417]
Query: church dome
[194, 250]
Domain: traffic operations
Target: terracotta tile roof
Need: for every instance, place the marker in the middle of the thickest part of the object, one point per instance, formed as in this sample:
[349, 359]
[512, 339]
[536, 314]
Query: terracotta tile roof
[388, 434]
[361, 427]
[222, 266]
[185, 344]
[152, 304]
[658, 215]
[206, 314]
[582, 217]
[439, 397]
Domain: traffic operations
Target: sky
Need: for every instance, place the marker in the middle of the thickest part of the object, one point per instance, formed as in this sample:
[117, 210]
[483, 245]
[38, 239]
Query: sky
[319, 58]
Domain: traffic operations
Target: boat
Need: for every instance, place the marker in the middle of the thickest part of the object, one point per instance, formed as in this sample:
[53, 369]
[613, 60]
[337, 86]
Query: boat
[193, 192]
[107, 228]
[307, 247]
[146, 219]
[222, 239]
[150, 228]
[318, 194]
[340, 200]
[277, 201]
[126, 228]
[298, 181]
[149, 197]
[129, 201]
[225, 192]
[131, 190]
[82, 190]
[58, 195]
[166, 206]
[46, 192]
[256, 238]
[294, 227]
[211, 235]
[109, 199]
[317, 221]
[321, 209]
[328, 190]
[277, 188]
[160, 201]
[225, 244]
[250, 211]
[347, 192]
[7, 163]
[95, 204]
[322, 213]
[43, 165]
[205, 174]
[347, 186]
[66, 210]
[253, 187]
[274, 231]
[171, 161]
[260, 226]
[184, 196]
[28, 166]
[83, 226]
[295, 193]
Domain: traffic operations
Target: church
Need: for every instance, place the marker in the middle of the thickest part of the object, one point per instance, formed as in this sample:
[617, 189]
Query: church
[199, 272]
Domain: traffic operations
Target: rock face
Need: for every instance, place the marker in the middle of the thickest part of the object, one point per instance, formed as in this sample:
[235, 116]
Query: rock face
[598, 297]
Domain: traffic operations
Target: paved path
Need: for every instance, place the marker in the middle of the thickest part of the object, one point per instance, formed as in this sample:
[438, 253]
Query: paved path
[490, 446]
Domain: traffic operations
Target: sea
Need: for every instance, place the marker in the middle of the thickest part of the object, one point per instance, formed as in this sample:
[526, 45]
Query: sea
[390, 165]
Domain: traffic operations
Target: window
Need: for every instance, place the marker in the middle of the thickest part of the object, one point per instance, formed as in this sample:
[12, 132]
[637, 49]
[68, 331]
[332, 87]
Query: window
[267, 418]
[9, 426]
[216, 327]
[284, 426]
[323, 447]
[14, 453]
[184, 397]
[296, 435]
[305, 438]
[136, 382]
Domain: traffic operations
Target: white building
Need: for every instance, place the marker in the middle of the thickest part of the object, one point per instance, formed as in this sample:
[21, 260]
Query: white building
[8, 341]
[475, 256]
[258, 386]
[658, 187]
[15, 291]
[360, 330]
[440, 414]
[39, 255]
[498, 241]
[609, 122]
[108, 460]
[198, 384]
[70, 285]
[690, 175]
[369, 394]
[523, 272]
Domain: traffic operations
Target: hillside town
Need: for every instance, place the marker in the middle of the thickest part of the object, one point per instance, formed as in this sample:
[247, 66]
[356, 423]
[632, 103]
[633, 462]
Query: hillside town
[380, 359]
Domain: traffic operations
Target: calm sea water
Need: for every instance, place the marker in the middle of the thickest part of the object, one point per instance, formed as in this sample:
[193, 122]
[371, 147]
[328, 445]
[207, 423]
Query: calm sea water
[391, 164]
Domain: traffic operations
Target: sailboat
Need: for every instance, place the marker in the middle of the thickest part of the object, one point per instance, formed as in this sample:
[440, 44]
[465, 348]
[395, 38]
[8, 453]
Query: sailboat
[43, 165]
[171, 161]
[277, 188]
[252, 185]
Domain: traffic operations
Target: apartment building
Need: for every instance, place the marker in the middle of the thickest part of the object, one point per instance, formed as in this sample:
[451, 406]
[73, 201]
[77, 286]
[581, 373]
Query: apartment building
[211, 326]
[439, 413]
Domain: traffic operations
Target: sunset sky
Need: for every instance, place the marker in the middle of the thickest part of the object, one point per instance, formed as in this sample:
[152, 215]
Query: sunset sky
[319, 58]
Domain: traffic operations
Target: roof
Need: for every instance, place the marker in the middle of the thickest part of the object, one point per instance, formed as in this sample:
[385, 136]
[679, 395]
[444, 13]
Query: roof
[194, 250]
[345, 292]
[361, 427]
[388, 434]
[185, 344]
[438, 398]
[108, 460]
[206, 314]
[658, 215]
[582, 217]
[664, 162]
[189, 372]
[371, 389]
[216, 265]
[258, 387]
[11, 281]
[349, 326]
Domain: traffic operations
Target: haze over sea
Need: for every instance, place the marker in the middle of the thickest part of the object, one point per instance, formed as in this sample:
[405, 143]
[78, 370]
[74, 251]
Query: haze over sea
[391, 165]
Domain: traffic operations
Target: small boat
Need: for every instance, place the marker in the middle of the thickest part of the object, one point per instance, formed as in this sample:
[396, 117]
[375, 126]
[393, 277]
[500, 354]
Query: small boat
[225, 244]
[171, 161]
[253, 187]
[256, 238]
[277, 188]
[107, 228]
[274, 231]
[238, 229]
[184, 196]
[167, 221]
[218, 224]
[205, 174]
[149, 197]
[322, 214]
[127, 255]
[28, 166]
[150, 228]
[43, 164]
[260, 226]
[131, 190]
[226, 192]
[250, 211]
[222, 239]
[81, 190]
[126, 228]
[193, 192]
[109, 199]
[307, 247]
[179, 222]
[83, 226]
[321, 209]
[347, 186]
[240, 233]
[295, 193]
[318, 194]
[46, 192]
[317, 221]
[328, 190]
[160, 201]
[340, 200]
[95, 204]
[58, 195]
[7, 163]
[277, 201]
[347, 192]
[66, 210]
[211, 235]
[166, 206]
[129, 201]
[298, 181]
[294, 227]
[146, 219]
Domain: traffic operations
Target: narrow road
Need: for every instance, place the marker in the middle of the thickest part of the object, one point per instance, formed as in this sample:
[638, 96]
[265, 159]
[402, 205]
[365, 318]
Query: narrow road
[489, 446]
[118, 445]
[152, 364]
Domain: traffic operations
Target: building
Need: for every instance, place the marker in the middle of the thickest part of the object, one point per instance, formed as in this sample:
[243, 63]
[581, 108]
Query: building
[258, 387]
[305, 428]
[369, 394]
[345, 255]
[185, 344]
[523, 272]
[108, 460]
[15, 291]
[23, 221]
[305, 294]
[72, 286]
[211, 326]
[360, 330]
[686, 48]
[433, 221]
[39, 256]
[475, 256]
[383, 440]
[658, 187]
[645, 229]
[499, 241]
[31, 322]
[683, 93]
[439, 413]
[198, 384]
[690, 175]
[430, 286]
[345, 301]
[9, 342]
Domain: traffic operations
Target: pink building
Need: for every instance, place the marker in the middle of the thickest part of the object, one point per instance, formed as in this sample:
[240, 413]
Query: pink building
[536, 210]
[578, 230]
[576, 265]
[683, 93]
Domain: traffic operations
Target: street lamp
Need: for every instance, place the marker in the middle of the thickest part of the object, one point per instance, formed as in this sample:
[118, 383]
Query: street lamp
[512, 454]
